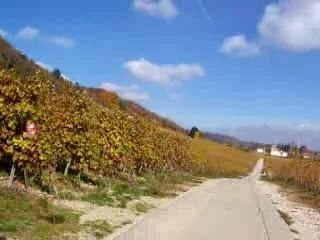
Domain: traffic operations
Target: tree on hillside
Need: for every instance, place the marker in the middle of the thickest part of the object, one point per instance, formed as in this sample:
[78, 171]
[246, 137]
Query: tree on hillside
[303, 149]
[123, 105]
[56, 73]
[194, 131]
[284, 147]
[294, 149]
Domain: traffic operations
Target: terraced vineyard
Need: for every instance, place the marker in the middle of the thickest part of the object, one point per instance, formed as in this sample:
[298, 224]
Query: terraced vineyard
[73, 128]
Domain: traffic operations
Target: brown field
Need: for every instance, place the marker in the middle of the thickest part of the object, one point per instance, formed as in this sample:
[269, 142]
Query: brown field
[303, 176]
[219, 160]
[303, 173]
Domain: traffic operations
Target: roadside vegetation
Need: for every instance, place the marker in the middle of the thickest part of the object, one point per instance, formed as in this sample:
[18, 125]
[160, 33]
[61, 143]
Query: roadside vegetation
[300, 176]
[118, 192]
[28, 217]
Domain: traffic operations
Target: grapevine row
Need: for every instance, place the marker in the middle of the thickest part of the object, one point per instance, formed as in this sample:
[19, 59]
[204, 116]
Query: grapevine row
[77, 134]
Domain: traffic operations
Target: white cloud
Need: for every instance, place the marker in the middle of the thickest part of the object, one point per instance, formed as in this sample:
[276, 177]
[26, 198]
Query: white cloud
[132, 92]
[163, 74]
[61, 41]
[44, 65]
[28, 33]
[292, 24]
[157, 8]
[240, 46]
[3, 33]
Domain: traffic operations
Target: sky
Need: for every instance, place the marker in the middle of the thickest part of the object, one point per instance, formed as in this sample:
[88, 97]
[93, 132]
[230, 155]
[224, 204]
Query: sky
[246, 68]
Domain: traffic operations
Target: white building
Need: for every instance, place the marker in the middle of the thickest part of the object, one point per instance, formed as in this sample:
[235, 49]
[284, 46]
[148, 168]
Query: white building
[306, 155]
[261, 151]
[277, 152]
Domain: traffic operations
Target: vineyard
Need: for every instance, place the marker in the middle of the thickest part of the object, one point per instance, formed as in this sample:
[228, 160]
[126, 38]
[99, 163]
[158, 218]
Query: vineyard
[76, 134]
[302, 173]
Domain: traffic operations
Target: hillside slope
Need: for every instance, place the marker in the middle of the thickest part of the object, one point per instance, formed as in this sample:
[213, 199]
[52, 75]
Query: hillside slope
[75, 131]
[11, 56]
[231, 141]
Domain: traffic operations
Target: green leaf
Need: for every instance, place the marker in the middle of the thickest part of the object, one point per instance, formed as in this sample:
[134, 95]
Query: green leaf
[10, 150]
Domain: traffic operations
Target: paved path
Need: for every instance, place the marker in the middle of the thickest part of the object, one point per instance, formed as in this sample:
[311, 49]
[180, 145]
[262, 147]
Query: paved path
[227, 209]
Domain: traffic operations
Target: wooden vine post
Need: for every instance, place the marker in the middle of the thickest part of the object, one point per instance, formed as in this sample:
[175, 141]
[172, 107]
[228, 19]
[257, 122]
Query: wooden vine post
[67, 167]
[13, 169]
[25, 175]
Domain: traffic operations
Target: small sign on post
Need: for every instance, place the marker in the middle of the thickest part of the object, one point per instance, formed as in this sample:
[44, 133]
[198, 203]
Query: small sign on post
[31, 128]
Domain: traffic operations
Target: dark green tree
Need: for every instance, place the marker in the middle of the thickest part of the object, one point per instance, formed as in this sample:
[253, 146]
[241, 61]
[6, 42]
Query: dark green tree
[303, 149]
[56, 73]
[123, 105]
[193, 132]
[284, 147]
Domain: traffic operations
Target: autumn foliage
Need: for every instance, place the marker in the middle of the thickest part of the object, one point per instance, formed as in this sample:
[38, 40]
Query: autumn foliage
[105, 98]
[73, 127]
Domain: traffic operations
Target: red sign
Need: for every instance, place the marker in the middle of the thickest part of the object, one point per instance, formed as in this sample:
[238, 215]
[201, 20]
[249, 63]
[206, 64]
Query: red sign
[31, 129]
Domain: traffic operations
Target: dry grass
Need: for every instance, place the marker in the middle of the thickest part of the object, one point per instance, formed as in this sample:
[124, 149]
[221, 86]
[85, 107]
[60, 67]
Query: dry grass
[302, 177]
[273, 158]
[219, 160]
[27, 217]
[303, 173]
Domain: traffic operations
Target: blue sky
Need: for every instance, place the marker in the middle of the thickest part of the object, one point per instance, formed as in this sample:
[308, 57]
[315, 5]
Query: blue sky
[222, 65]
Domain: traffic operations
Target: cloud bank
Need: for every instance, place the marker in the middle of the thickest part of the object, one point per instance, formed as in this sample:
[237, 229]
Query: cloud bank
[165, 74]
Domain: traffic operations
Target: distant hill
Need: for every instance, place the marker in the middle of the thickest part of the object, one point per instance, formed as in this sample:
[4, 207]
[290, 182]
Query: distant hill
[231, 141]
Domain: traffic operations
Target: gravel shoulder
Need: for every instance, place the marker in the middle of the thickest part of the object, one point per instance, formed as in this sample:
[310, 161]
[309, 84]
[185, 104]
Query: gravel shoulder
[306, 220]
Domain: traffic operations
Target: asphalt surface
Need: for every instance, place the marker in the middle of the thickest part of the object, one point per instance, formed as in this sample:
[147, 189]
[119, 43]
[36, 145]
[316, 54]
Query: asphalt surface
[226, 209]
